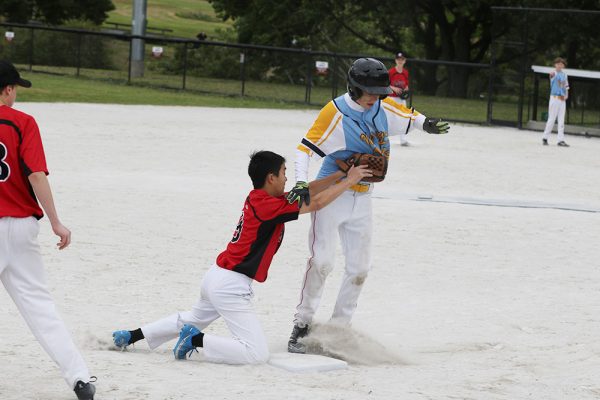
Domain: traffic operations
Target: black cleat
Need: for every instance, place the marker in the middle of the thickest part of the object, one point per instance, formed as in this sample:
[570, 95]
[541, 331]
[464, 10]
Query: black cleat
[562, 143]
[85, 391]
[293, 345]
[545, 142]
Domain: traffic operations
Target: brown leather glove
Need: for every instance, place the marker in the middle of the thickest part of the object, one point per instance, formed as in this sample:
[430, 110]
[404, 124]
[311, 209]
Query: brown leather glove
[377, 164]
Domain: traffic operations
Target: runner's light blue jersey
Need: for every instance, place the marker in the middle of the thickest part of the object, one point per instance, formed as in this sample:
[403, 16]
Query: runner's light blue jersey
[343, 127]
[559, 84]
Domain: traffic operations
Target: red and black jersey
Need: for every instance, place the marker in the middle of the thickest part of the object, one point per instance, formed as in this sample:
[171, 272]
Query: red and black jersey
[258, 234]
[21, 153]
[398, 79]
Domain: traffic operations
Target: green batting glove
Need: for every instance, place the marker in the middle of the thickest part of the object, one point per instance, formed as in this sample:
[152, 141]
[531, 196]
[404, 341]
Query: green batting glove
[435, 126]
[299, 193]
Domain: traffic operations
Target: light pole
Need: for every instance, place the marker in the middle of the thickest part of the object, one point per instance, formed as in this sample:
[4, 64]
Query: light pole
[138, 28]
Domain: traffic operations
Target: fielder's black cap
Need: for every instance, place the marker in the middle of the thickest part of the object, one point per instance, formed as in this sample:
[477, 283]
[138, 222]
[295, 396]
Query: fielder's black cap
[400, 55]
[10, 76]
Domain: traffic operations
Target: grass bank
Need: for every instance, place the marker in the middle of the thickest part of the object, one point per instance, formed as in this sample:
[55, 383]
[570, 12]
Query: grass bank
[61, 88]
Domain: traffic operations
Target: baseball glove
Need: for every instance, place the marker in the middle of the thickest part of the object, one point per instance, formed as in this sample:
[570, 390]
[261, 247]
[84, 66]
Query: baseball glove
[377, 164]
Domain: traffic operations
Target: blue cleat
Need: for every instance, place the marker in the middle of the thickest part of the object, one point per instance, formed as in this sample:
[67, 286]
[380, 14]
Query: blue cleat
[121, 338]
[184, 346]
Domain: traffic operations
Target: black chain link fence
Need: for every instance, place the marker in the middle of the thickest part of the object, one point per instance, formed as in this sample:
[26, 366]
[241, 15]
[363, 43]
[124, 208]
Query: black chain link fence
[527, 37]
[454, 91]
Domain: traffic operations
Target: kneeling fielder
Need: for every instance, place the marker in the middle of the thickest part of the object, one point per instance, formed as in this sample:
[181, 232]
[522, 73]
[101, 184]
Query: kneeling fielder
[227, 286]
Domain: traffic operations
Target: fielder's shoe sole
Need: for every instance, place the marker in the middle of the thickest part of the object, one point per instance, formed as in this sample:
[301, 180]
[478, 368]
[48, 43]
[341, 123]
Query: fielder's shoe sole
[562, 144]
[545, 142]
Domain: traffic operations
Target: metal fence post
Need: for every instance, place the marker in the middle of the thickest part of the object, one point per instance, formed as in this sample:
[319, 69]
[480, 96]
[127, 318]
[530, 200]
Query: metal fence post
[129, 62]
[491, 88]
[536, 89]
[31, 51]
[243, 70]
[492, 68]
[79, 52]
[334, 78]
[524, 34]
[308, 78]
[185, 57]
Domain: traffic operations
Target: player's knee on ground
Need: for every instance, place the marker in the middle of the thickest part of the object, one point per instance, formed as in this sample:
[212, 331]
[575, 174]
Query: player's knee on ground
[258, 355]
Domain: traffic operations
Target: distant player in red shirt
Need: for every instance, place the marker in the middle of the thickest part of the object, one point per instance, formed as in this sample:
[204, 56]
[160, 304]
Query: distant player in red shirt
[399, 85]
[227, 286]
[22, 183]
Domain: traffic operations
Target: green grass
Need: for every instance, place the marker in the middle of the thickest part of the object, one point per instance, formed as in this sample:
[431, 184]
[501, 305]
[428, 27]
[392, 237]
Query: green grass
[448, 108]
[182, 16]
[110, 87]
[59, 88]
[113, 85]
[57, 84]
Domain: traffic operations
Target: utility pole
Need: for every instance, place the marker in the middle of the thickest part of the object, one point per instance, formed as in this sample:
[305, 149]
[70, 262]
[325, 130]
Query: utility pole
[138, 27]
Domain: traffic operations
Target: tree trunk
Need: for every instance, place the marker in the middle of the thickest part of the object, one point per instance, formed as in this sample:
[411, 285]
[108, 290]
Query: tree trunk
[458, 77]
[458, 81]
[426, 74]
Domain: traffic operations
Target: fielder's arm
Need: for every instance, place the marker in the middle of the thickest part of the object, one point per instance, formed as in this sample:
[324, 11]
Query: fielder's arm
[300, 192]
[317, 186]
[314, 142]
[322, 199]
[42, 190]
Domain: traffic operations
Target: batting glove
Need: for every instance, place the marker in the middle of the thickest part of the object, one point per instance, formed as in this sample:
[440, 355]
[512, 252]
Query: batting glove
[405, 94]
[299, 193]
[435, 126]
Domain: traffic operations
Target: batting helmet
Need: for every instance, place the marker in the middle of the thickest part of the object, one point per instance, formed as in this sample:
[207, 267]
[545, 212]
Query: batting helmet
[368, 75]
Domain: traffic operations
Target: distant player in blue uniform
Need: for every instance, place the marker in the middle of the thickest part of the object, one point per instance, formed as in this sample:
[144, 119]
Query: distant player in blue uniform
[559, 93]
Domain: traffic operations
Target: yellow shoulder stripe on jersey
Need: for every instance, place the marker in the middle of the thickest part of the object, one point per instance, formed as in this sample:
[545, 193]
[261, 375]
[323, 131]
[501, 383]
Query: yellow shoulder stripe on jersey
[401, 114]
[401, 108]
[391, 102]
[337, 121]
[318, 132]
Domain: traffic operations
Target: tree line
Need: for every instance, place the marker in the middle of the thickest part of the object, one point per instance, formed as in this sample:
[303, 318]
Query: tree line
[461, 31]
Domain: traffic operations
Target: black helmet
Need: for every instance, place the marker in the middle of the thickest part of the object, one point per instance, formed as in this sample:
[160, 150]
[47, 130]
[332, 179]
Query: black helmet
[368, 75]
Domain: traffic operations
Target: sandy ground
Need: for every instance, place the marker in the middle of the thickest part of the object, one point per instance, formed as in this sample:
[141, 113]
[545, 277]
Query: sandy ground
[464, 301]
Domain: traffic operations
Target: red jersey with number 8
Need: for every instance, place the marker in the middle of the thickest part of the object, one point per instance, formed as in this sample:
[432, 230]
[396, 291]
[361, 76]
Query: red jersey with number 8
[21, 153]
[258, 234]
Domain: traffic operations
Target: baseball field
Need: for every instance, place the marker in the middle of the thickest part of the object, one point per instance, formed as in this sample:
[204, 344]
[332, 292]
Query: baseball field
[485, 269]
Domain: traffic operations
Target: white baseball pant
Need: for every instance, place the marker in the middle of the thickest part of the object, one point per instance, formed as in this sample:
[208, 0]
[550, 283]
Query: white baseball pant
[556, 109]
[350, 216]
[226, 294]
[24, 277]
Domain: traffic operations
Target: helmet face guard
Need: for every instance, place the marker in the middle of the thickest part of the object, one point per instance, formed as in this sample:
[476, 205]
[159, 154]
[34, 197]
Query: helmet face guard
[368, 75]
